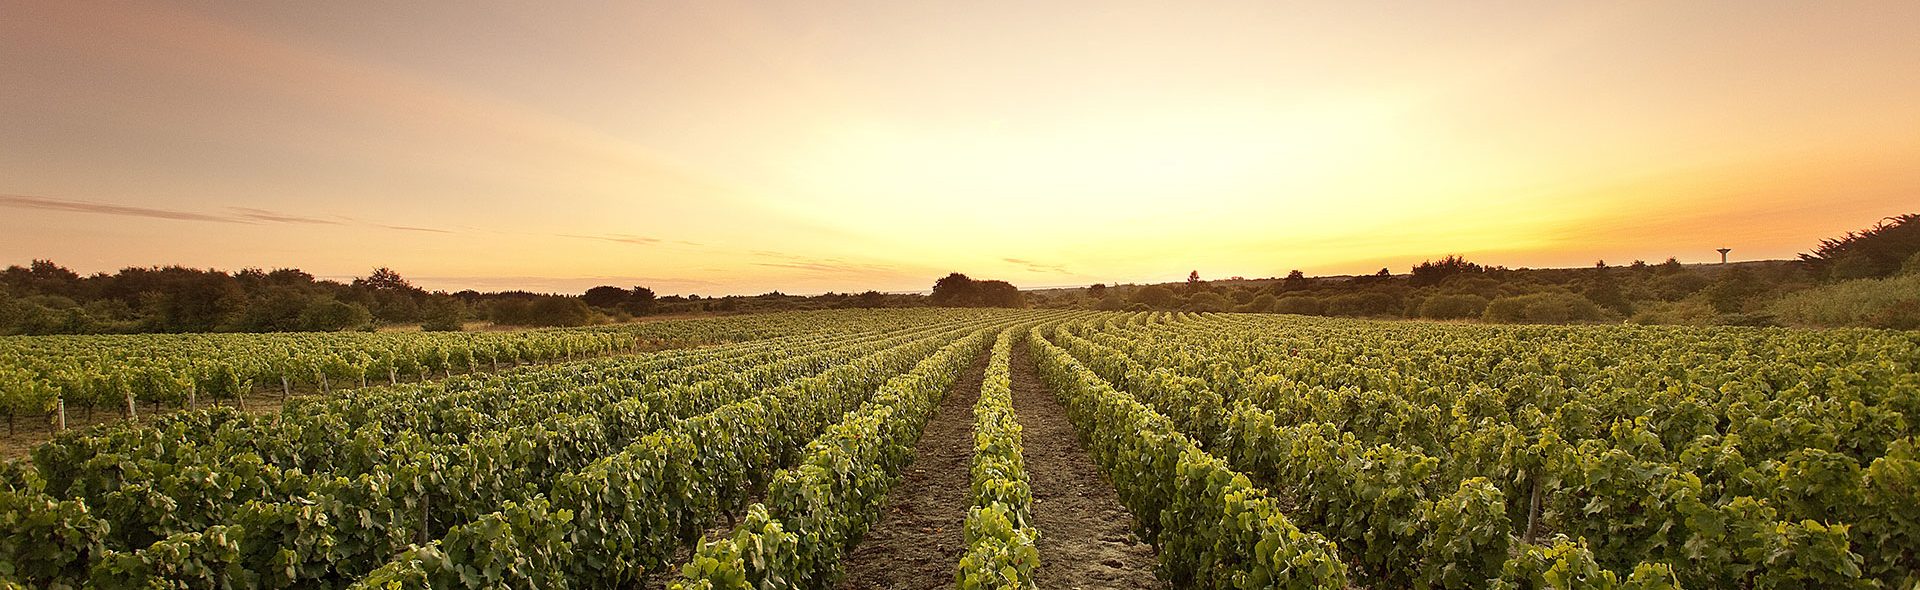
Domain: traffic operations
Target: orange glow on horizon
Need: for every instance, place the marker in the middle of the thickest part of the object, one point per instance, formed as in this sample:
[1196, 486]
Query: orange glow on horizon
[737, 147]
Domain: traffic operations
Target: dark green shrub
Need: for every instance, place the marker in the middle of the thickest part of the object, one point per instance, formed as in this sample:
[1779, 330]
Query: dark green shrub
[1299, 304]
[1456, 306]
[1551, 307]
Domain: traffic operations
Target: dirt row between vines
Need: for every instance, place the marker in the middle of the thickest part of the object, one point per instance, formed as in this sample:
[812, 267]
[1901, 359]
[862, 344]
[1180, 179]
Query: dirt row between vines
[919, 538]
[1086, 537]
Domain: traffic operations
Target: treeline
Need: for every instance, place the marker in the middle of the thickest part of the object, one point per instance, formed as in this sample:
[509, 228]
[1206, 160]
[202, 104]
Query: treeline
[1867, 278]
[46, 298]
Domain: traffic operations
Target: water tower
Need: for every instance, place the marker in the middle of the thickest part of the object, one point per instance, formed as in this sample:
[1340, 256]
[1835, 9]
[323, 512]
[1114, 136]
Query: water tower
[1723, 254]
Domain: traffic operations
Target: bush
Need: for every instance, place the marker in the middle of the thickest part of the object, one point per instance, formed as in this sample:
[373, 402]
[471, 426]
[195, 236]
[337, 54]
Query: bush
[1208, 301]
[1457, 306]
[1260, 304]
[1300, 304]
[1153, 296]
[544, 311]
[561, 311]
[331, 315]
[1873, 303]
[1363, 305]
[1678, 313]
[442, 324]
[1543, 308]
[445, 316]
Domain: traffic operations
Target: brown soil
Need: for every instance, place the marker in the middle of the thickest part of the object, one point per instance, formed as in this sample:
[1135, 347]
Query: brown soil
[919, 539]
[1086, 535]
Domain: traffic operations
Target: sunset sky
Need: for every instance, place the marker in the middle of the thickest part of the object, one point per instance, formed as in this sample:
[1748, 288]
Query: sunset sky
[739, 147]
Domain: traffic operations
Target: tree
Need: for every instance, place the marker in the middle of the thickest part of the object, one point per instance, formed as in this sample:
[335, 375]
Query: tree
[384, 279]
[560, 311]
[1195, 285]
[330, 315]
[1097, 290]
[640, 300]
[606, 297]
[277, 309]
[1208, 302]
[1295, 281]
[198, 302]
[1154, 296]
[997, 294]
[445, 314]
[41, 277]
[1432, 272]
[1877, 251]
[954, 290]
[389, 296]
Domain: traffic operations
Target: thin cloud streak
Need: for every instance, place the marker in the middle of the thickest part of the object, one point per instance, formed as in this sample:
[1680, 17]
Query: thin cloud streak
[1038, 267]
[411, 228]
[241, 215]
[46, 204]
[618, 238]
[820, 265]
[250, 213]
[828, 266]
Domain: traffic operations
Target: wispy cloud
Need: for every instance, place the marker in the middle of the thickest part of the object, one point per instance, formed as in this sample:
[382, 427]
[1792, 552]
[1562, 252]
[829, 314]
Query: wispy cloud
[249, 213]
[618, 238]
[829, 266]
[819, 265]
[1037, 266]
[412, 228]
[47, 204]
[240, 215]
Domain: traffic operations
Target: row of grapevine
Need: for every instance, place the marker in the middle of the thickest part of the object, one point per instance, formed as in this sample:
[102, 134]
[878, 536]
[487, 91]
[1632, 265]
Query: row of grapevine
[331, 524]
[1213, 527]
[816, 509]
[42, 375]
[1433, 490]
[340, 434]
[147, 499]
[999, 529]
[631, 511]
[1378, 505]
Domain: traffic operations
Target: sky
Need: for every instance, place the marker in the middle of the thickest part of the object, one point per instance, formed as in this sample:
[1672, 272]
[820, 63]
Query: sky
[720, 147]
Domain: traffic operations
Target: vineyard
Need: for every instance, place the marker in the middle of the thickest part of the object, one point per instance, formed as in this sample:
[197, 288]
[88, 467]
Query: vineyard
[762, 451]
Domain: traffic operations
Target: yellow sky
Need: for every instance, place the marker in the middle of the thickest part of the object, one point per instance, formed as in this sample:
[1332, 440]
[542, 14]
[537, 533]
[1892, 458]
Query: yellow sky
[740, 147]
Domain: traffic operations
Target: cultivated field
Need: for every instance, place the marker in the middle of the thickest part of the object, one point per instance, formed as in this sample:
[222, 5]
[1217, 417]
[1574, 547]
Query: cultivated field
[929, 448]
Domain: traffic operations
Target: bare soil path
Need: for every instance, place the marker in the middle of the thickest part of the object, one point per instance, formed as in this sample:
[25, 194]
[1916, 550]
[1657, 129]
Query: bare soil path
[918, 541]
[1086, 535]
